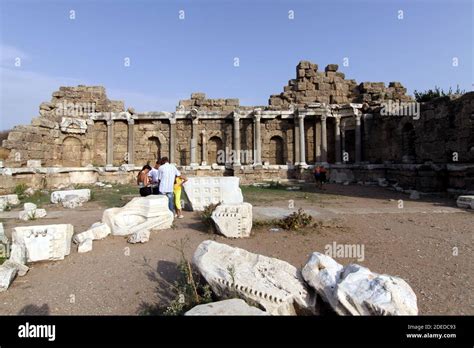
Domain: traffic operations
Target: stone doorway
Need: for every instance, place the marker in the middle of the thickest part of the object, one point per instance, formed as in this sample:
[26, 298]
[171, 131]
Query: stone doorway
[71, 152]
[215, 150]
[276, 150]
[154, 149]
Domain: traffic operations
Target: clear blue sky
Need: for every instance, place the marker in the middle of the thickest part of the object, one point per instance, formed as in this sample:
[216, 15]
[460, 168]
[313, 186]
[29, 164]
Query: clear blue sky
[170, 58]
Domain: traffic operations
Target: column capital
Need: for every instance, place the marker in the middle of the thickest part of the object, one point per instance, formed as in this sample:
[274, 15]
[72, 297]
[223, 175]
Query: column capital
[337, 119]
[236, 117]
[131, 121]
[196, 120]
[110, 122]
[203, 132]
[301, 116]
[257, 118]
[357, 118]
[323, 118]
[172, 119]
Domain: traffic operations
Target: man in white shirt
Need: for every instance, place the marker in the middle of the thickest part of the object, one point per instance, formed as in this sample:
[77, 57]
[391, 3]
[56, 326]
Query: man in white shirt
[167, 174]
[153, 175]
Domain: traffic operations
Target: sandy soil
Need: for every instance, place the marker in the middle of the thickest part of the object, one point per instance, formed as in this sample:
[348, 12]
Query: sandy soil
[415, 243]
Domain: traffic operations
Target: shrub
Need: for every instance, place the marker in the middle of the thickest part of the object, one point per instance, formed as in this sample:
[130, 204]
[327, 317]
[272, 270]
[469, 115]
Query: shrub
[20, 190]
[206, 217]
[296, 220]
[190, 292]
[424, 96]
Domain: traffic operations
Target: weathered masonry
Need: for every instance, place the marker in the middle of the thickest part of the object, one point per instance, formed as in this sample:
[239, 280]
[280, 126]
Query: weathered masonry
[361, 131]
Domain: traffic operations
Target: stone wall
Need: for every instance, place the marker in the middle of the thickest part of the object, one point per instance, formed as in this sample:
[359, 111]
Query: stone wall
[63, 134]
[445, 127]
[331, 87]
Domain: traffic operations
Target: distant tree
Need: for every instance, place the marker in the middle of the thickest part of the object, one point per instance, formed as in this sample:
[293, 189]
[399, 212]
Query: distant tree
[424, 96]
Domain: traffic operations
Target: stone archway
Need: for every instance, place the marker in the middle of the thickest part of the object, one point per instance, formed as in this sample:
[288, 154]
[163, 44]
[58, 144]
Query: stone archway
[215, 147]
[408, 143]
[276, 150]
[71, 152]
[154, 149]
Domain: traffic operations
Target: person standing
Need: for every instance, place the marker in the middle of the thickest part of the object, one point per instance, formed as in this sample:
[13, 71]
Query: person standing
[153, 174]
[166, 176]
[178, 184]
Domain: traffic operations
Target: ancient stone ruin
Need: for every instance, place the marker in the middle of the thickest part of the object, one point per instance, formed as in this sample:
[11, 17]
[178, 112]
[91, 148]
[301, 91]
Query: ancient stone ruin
[365, 132]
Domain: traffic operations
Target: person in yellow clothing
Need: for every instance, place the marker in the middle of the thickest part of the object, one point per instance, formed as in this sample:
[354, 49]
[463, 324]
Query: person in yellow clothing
[178, 184]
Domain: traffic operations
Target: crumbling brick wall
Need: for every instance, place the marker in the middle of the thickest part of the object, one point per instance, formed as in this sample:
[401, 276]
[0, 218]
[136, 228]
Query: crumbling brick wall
[331, 87]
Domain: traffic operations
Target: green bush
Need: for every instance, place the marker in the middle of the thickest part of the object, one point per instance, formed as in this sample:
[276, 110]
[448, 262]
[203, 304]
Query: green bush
[20, 190]
[190, 292]
[296, 220]
[206, 217]
[430, 94]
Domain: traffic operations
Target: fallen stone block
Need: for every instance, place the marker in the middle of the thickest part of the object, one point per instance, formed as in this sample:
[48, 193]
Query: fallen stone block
[361, 292]
[234, 306]
[8, 272]
[30, 212]
[8, 201]
[202, 191]
[465, 202]
[321, 272]
[142, 236]
[262, 281]
[59, 196]
[355, 290]
[85, 246]
[97, 231]
[3, 237]
[233, 220]
[141, 213]
[72, 201]
[39, 243]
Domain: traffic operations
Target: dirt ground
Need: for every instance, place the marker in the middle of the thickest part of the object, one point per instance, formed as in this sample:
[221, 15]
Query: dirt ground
[428, 243]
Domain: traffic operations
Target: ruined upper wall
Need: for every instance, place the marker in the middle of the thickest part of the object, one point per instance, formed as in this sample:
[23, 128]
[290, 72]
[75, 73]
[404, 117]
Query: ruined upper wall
[199, 101]
[330, 86]
[78, 102]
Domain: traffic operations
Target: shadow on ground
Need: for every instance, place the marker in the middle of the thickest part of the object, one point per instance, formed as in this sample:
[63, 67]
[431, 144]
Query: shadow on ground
[165, 276]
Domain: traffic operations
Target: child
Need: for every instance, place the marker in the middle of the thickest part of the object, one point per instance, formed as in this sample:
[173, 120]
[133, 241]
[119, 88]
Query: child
[178, 183]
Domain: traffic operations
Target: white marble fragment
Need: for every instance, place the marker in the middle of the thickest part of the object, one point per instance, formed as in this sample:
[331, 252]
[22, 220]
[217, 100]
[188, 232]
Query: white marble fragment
[83, 194]
[202, 191]
[233, 220]
[47, 242]
[85, 246]
[141, 236]
[97, 231]
[355, 290]
[266, 282]
[8, 272]
[234, 306]
[322, 272]
[141, 213]
[465, 202]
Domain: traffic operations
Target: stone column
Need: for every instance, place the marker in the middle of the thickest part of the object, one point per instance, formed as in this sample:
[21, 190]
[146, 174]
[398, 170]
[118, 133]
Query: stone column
[110, 143]
[172, 140]
[131, 147]
[204, 147]
[297, 141]
[358, 140]
[324, 140]
[302, 139]
[257, 140]
[337, 137]
[317, 139]
[236, 139]
[194, 140]
[343, 139]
